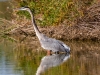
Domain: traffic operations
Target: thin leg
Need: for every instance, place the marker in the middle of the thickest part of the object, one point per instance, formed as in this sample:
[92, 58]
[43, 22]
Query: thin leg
[49, 52]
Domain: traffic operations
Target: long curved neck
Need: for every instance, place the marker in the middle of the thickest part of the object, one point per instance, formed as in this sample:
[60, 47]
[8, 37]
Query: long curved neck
[34, 24]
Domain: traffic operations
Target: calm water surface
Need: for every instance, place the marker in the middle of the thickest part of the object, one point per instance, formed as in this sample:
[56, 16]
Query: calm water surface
[20, 59]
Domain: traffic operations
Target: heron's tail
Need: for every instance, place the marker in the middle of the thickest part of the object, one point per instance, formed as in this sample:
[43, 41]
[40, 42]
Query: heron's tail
[66, 48]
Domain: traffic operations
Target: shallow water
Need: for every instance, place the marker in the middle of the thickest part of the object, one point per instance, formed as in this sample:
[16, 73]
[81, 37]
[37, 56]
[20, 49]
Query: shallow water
[28, 58]
[18, 59]
[7, 61]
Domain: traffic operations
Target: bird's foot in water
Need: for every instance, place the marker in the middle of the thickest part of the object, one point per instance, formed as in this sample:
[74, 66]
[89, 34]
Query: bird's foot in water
[57, 52]
[49, 52]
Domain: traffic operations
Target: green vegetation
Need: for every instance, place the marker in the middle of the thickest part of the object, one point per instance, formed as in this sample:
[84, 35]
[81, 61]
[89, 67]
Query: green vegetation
[53, 12]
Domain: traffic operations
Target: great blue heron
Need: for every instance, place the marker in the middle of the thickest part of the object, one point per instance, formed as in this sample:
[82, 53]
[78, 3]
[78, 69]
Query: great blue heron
[47, 43]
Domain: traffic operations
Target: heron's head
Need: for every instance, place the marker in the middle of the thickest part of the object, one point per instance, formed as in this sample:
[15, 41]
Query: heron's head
[24, 8]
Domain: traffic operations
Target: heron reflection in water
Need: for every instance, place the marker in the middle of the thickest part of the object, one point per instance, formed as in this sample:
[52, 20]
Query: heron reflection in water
[47, 43]
[51, 61]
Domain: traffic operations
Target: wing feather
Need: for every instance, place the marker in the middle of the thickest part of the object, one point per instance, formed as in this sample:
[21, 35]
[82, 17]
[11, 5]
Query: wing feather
[53, 44]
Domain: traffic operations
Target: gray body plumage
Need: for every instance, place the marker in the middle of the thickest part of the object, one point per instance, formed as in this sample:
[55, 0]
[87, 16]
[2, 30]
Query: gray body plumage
[53, 44]
[46, 42]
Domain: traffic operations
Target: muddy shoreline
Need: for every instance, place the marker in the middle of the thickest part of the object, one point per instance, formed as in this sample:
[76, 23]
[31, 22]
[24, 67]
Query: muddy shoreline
[86, 28]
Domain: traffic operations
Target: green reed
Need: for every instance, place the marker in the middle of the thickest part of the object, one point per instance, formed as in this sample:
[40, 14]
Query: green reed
[54, 12]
